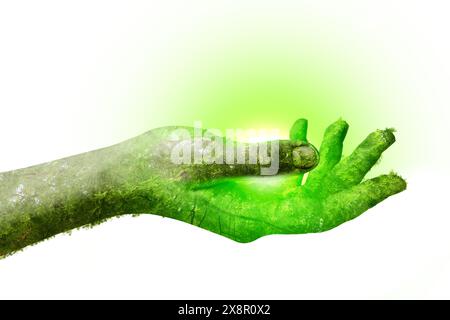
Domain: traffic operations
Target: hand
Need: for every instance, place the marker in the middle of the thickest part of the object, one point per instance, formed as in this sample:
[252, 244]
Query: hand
[246, 208]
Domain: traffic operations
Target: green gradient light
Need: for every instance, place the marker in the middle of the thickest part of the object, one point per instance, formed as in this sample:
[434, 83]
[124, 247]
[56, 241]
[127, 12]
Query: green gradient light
[263, 85]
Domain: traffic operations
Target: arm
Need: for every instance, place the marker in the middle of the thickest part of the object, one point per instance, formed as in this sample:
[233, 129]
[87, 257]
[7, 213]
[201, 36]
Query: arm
[133, 177]
[139, 176]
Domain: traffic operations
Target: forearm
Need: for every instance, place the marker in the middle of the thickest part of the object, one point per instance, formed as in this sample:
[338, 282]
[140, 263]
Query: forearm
[44, 200]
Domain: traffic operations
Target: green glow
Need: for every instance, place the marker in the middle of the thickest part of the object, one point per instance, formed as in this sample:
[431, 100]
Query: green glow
[252, 79]
[267, 91]
[261, 85]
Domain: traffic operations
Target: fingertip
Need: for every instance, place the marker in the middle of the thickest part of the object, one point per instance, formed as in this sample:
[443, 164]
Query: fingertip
[380, 140]
[398, 181]
[392, 183]
[339, 126]
[388, 135]
[299, 130]
[385, 137]
[341, 122]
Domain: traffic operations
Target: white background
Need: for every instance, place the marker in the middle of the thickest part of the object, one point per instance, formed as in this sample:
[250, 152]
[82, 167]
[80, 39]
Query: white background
[66, 69]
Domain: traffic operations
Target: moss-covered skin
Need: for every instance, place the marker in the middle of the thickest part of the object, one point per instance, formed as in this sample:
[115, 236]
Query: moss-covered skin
[137, 176]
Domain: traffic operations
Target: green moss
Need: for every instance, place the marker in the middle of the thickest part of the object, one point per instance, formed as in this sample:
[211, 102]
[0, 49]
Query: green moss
[137, 176]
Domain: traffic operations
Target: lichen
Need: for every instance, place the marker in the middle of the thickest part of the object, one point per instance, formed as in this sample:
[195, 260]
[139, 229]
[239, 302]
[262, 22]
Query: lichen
[137, 177]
